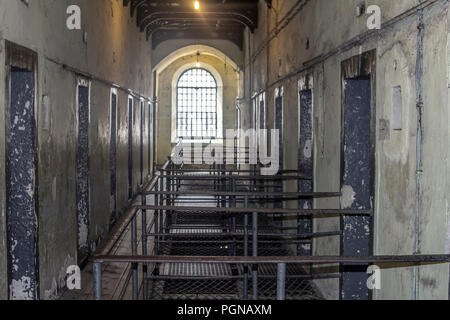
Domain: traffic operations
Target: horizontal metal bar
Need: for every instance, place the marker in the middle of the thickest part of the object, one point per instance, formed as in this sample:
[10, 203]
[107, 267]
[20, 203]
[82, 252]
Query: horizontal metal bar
[232, 241]
[236, 177]
[249, 193]
[221, 171]
[214, 200]
[306, 212]
[237, 234]
[213, 226]
[401, 259]
[302, 277]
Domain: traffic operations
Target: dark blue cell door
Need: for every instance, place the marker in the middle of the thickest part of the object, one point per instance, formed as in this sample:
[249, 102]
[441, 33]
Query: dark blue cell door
[113, 158]
[22, 215]
[279, 126]
[305, 164]
[357, 184]
[130, 147]
[141, 142]
[21, 174]
[83, 176]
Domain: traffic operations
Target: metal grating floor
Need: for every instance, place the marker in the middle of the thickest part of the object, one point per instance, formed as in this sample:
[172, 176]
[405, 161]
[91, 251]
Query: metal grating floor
[187, 281]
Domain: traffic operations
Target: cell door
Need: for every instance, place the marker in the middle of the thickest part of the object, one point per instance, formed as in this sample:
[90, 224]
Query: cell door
[238, 127]
[149, 137]
[21, 174]
[255, 114]
[261, 126]
[305, 163]
[113, 157]
[83, 175]
[357, 183]
[154, 133]
[262, 114]
[130, 147]
[279, 126]
[141, 142]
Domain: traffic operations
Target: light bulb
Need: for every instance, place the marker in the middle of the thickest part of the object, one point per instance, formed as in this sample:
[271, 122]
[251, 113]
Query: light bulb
[197, 5]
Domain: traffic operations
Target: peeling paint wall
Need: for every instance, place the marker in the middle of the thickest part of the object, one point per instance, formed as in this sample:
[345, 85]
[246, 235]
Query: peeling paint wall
[115, 51]
[320, 28]
[3, 243]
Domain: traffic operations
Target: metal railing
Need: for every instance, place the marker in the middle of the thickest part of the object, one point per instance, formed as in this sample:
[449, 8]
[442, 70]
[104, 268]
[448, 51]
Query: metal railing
[234, 235]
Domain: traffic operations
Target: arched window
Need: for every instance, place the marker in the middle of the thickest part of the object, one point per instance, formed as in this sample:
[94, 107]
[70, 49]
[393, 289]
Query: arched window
[197, 105]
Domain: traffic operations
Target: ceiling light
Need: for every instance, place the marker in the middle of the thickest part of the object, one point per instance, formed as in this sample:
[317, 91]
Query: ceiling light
[197, 5]
[198, 62]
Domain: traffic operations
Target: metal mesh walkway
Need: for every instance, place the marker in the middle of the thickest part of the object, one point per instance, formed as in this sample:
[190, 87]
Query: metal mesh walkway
[193, 234]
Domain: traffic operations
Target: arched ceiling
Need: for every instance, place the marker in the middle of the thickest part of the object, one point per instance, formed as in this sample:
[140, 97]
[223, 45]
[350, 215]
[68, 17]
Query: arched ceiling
[191, 50]
[177, 19]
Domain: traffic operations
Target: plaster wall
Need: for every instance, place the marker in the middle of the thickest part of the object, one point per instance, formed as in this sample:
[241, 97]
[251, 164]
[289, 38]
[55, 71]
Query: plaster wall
[319, 30]
[115, 52]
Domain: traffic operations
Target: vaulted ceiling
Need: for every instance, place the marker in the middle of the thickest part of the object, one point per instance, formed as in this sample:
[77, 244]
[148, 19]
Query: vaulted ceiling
[178, 19]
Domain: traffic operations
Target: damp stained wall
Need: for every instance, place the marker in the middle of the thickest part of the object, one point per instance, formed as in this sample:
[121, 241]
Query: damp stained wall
[321, 27]
[115, 51]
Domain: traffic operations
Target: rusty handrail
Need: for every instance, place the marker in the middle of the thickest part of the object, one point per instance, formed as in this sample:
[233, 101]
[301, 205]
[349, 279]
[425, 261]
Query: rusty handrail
[238, 177]
[404, 259]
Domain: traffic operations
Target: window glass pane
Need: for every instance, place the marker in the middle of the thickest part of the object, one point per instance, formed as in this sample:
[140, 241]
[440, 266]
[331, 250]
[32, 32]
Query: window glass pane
[197, 104]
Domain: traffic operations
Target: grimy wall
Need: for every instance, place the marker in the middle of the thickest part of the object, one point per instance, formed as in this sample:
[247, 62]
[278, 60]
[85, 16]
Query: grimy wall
[113, 52]
[314, 37]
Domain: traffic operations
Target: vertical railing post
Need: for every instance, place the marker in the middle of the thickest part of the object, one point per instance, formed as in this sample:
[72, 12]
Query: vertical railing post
[134, 266]
[161, 203]
[255, 254]
[144, 246]
[246, 249]
[233, 221]
[169, 196]
[156, 217]
[281, 282]
[98, 281]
